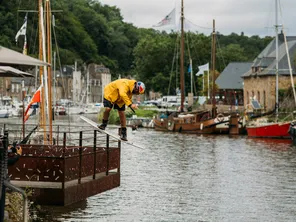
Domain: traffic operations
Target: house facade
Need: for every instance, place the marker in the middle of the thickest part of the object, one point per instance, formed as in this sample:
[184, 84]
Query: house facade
[12, 87]
[99, 77]
[80, 86]
[260, 79]
[230, 83]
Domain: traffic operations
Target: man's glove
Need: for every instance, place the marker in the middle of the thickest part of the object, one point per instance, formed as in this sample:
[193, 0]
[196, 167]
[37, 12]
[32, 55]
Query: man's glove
[133, 106]
[19, 150]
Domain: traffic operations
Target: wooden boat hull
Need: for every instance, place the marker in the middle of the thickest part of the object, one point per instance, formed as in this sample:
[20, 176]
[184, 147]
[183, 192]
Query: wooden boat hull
[203, 127]
[160, 124]
[274, 130]
[199, 124]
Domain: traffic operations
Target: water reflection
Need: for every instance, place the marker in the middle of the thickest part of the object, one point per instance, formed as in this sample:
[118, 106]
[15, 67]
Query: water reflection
[51, 213]
[273, 144]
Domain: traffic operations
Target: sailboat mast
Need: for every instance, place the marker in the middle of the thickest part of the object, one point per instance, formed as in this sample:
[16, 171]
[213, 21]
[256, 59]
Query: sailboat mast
[48, 32]
[182, 57]
[41, 68]
[213, 70]
[277, 61]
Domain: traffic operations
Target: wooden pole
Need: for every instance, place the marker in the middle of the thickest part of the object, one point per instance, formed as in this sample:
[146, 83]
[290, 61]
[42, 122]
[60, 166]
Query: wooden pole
[48, 32]
[41, 71]
[214, 113]
[23, 99]
[182, 57]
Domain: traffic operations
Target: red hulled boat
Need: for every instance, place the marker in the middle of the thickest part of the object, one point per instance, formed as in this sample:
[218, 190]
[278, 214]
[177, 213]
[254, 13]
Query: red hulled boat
[270, 130]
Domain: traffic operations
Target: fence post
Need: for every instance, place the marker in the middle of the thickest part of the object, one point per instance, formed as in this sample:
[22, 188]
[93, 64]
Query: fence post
[3, 175]
[95, 154]
[107, 150]
[119, 147]
[64, 160]
[58, 135]
[80, 156]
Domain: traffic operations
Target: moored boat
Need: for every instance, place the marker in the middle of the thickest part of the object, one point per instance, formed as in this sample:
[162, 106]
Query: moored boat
[270, 130]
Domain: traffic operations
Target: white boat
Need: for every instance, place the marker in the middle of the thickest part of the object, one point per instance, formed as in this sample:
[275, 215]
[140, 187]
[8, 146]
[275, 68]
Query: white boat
[91, 108]
[4, 113]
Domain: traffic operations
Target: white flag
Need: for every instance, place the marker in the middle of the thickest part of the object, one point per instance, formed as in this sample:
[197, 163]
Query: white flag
[202, 68]
[168, 20]
[22, 30]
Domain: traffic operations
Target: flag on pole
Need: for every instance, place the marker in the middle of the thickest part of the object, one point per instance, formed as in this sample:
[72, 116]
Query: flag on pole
[189, 68]
[202, 68]
[168, 20]
[22, 30]
[25, 46]
[35, 99]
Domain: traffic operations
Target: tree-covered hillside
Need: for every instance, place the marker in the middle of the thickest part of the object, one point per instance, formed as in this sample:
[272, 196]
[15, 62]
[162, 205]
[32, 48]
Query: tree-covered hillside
[88, 31]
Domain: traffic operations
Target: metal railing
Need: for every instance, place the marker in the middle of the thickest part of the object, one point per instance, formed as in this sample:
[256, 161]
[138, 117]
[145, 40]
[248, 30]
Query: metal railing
[4, 180]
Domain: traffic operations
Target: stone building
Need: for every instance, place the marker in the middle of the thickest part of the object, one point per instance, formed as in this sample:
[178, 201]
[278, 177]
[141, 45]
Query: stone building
[12, 87]
[230, 83]
[260, 79]
[68, 83]
[63, 83]
[85, 85]
[99, 77]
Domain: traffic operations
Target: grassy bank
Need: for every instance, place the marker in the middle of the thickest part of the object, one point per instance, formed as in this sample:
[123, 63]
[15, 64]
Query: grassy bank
[140, 112]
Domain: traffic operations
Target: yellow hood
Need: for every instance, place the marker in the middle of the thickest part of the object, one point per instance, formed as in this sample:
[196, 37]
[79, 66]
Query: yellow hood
[120, 92]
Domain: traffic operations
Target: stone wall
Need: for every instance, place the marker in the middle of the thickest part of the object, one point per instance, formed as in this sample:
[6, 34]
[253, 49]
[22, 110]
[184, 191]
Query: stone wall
[263, 88]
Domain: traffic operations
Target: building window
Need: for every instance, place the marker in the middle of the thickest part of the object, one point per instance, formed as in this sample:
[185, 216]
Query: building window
[258, 93]
[253, 94]
[12, 88]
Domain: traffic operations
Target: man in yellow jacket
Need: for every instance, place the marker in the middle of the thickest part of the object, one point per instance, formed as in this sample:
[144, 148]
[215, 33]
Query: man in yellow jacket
[117, 95]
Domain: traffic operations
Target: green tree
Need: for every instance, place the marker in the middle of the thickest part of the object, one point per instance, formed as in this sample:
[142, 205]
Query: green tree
[231, 53]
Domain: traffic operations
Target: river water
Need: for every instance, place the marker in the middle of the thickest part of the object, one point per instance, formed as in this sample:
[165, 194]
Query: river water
[179, 177]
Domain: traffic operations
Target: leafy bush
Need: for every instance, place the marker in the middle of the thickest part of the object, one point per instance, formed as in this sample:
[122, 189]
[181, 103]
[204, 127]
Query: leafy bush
[142, 113]
[114, 118]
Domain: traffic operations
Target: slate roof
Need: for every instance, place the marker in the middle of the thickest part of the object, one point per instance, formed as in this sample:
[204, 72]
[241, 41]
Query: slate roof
[231, 78]
[266, 60]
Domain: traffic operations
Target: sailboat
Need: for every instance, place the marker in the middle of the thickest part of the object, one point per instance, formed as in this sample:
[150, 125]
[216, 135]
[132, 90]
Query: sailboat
[201, 121]
[273, 129]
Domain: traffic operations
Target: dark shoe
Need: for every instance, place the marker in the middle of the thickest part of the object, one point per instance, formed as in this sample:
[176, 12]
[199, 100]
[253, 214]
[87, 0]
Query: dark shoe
[123, 135]
[103, 125]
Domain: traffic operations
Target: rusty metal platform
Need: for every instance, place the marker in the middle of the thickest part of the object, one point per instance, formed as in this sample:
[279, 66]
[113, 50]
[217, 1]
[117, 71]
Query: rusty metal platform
[64, 174]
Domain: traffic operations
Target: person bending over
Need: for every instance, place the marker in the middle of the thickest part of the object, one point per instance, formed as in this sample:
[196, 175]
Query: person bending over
[117, 95]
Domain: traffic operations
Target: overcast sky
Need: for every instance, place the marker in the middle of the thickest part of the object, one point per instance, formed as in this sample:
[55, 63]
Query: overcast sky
[253, 17]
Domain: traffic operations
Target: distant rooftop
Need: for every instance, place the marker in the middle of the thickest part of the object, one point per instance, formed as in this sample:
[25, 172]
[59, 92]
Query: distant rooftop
[265, 63]
[231, 78]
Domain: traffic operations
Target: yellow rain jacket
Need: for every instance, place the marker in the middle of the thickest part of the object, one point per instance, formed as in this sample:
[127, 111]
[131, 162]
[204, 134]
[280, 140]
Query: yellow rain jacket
[120, 92]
